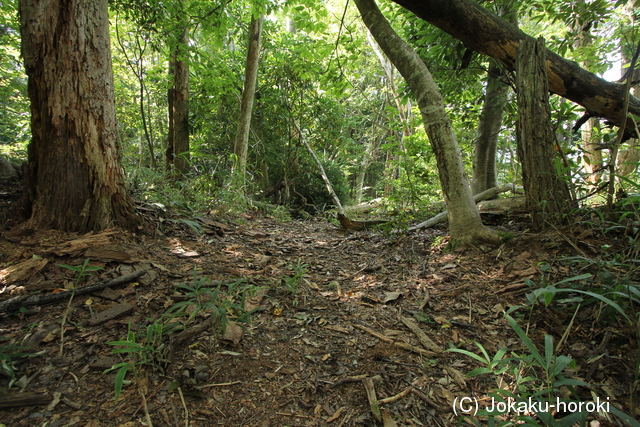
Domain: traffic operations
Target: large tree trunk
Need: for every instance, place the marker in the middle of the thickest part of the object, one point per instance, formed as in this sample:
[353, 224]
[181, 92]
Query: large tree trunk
[485, 32]
[74, 178]
[464, 219]
[178, 153]
[547, 193]
[241, 145]
[486, 143]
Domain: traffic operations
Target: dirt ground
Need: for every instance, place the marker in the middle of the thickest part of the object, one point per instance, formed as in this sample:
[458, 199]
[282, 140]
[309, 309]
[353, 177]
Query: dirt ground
[318, 346]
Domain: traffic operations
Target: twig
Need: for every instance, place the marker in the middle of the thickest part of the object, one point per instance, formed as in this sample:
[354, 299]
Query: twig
[426, 398]
[420, 334]
[29, 300]
[371, 396]
[146, 409]
[186, 410]
[566, 332]
[400, 344]
[64, 322]
[219, 385]
[398, 396]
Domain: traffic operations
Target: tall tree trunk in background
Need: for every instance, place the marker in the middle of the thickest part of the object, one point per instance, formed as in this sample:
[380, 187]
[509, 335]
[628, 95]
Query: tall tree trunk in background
[547, 192]
[484, 31]
[464, 220]
[404, 114]
[592, 157]
[137, 67]
[178, 152]
[496, 96]
[241, 144]
[629, 156]
[486, 143]
[367, 158]
[74, 179]
[169, 152]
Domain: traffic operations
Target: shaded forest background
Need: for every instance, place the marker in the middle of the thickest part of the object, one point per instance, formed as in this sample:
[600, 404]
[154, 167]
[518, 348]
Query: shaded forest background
[319, 67]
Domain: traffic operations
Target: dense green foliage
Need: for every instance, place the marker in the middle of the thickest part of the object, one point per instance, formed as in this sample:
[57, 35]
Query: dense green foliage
[317, 68]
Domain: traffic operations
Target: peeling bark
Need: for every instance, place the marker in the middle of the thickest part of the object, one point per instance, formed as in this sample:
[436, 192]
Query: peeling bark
[74, 179]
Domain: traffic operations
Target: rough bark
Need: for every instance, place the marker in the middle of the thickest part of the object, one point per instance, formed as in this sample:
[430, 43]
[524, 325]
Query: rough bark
[241, 144]
[74, 180]
[486, 143]
[485, 32]
[547, 193]
[464, 219]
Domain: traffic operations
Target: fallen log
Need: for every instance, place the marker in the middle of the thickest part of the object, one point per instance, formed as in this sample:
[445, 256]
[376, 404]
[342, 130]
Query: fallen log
[516, 204]
[14, 304]
[487, 194]
[347, 224]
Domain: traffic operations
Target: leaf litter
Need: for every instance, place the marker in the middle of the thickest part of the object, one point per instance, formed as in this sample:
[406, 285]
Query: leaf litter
[358, 339]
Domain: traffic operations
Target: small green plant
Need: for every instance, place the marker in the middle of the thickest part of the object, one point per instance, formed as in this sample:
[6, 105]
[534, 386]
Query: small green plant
[8, 354]
[525, 378]
[147, 347]
[546, 293]
[281, 214]
[531, 381]
[292, 283]
[81, 271]
[142, 348]
[204, 297]
[193, 225]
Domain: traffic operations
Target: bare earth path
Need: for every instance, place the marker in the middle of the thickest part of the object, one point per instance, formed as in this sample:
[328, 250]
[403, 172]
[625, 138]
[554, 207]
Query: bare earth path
[316, 349]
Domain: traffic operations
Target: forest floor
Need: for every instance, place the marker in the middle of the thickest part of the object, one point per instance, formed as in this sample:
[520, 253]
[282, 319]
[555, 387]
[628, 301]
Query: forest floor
[329, 329]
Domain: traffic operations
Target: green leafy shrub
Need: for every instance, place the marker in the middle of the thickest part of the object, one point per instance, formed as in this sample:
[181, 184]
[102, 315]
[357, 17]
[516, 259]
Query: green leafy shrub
[147, 347]
[530, 379]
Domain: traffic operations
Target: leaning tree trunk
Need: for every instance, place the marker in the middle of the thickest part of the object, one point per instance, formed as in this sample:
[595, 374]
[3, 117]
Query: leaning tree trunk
[241, 144]
[487, 33]
[325, 178]
[486, 143]
[74, 178]
[464, 220]
[547, 192]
